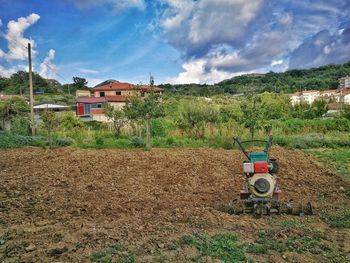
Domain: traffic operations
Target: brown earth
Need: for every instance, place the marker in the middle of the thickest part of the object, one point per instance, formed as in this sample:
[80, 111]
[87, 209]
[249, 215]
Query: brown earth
[61, 205]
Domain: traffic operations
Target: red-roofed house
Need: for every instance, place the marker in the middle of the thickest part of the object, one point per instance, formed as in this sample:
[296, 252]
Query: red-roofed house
[115, 94]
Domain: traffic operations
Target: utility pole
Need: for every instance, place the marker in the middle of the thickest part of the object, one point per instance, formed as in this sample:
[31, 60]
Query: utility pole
[31, 90]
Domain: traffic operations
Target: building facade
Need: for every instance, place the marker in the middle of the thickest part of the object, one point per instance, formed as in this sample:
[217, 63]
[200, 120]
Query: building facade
[344, 82]
[115, 94]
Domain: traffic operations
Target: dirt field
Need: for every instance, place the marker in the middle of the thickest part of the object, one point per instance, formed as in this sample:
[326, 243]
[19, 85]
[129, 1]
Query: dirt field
[62, 205]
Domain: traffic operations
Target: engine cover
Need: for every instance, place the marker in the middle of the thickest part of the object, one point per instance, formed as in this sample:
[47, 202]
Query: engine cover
[262, 184]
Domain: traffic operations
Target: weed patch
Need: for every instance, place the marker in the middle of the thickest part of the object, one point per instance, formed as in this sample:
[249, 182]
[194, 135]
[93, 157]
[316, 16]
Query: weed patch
[340, 219]
[292, 235]
[114, 253]
[223, 247]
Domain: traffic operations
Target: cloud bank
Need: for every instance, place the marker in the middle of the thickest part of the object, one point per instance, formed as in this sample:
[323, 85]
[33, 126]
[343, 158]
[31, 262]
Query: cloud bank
[220, 39]
[16, 42]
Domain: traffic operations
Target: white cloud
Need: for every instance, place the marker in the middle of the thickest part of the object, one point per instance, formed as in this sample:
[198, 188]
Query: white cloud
[7, 72]
[47, 68]
[113, 5]
[93, 82]
[88, 71]
[276, 62]
[194, 72]
[257, 35]
[16, 42]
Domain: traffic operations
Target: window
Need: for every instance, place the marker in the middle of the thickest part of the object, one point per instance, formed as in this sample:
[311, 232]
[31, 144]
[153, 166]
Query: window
[87, 109]
[99, 105]
[118, 93]
[102, 94]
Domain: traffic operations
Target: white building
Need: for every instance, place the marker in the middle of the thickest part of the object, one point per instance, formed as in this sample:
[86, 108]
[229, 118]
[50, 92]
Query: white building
[330, 94]
[346, 97]
[295, 98]
[344, 82]
[309, 96]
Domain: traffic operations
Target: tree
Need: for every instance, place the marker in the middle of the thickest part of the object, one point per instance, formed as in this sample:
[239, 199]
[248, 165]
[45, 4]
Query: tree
[79, 83]
[69, 121]
[117, 117]
[19, 83]
[12, 108]
[196, 117]
[253, 117]
[145, 109]
[50, 123]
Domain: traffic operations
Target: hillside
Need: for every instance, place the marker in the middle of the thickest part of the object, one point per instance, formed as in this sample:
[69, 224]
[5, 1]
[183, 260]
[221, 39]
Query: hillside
[322, 78]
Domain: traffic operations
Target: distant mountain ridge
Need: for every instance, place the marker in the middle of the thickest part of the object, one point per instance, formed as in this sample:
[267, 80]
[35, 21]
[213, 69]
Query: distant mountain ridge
[321, 78]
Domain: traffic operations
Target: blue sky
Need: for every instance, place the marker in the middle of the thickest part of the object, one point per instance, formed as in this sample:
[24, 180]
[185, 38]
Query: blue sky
[178, 41]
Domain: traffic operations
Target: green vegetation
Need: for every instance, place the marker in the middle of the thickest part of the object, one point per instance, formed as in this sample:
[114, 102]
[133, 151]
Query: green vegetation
[184, 121]
[18, 84]
[221, 246]
[144, 111]
[340, 219]
[323, 78]
[287, 236]
[295, 236]
[115, 253]
[339, 158]
[178, 120]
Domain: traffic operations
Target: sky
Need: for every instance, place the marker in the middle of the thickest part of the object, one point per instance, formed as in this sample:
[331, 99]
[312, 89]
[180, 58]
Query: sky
[177, 41]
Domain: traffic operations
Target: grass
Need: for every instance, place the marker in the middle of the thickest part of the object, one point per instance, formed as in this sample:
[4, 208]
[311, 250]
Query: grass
[295, 236]
[115, 253]
[223, 247]
[340, 219]
[339, 158]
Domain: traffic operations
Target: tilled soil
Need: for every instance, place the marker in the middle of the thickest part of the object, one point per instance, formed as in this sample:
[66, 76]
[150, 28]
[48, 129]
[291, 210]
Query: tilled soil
[60, 205]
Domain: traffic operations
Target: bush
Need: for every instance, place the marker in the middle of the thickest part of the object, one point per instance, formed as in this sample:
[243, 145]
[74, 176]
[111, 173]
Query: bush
[17, 141]
[20, 126]
[160, 127]
[99, 140]
[137, 142]
[62, 142]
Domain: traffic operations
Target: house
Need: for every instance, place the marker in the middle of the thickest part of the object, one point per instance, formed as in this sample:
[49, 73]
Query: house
[307, 96]
[295, 98]
[346, 97]
[113, 93]
[344, 82]
[82, 93]
[123, 89]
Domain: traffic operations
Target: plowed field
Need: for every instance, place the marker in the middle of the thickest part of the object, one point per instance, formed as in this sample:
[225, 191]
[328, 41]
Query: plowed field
[62, 205]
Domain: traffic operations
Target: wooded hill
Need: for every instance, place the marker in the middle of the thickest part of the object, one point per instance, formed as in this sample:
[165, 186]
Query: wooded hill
[322, 78]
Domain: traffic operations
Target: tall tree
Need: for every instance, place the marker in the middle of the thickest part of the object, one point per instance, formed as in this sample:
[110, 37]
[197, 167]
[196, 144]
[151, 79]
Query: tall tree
[79, 83]
[19, 83]
[146, 109]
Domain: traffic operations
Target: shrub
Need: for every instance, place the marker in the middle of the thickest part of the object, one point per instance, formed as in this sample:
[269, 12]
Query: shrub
[62, 142]
[137, 142]
[99, 140]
